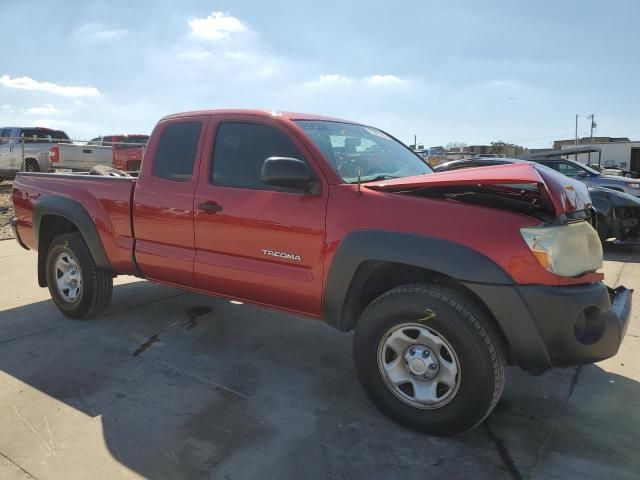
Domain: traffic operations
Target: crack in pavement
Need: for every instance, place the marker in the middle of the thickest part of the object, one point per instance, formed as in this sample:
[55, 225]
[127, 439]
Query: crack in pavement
[574, 382]
[29, 474]
[27, 335]
[192, 321]
[617, 280]
[542, 450]
[505, 455]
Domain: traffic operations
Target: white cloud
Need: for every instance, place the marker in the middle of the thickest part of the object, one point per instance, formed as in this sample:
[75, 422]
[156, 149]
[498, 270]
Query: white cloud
[383, 80]
[335, 79]
[48, 109]
[216, 26]
[27, 83]
[99, 32]
[345, 80]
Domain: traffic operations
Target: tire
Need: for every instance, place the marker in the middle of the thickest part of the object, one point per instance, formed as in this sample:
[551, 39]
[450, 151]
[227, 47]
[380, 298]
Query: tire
[454, 332]
[93, 290]
[31, 166]
[106, 171]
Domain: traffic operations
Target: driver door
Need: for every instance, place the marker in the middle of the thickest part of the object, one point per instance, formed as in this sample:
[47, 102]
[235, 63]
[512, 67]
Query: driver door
[254, 241]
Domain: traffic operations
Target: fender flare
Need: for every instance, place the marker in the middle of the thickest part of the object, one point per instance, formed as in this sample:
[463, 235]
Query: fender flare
[76, 214]
[449, 258]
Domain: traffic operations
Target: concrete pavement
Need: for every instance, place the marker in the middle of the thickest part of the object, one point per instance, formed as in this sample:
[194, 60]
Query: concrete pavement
[175, 385]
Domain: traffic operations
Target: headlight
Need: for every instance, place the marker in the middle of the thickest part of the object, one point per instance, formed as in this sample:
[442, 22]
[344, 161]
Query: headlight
[567, 250]
[633, 185]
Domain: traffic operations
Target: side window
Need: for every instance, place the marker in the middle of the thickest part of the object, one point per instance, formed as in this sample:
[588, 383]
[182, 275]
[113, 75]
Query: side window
[552, 165]
[176, 151]
[568, 169]
[241, 149]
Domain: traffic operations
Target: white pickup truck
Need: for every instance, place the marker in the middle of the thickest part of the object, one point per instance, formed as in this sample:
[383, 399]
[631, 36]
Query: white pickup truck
[78, 158]
[37, 149]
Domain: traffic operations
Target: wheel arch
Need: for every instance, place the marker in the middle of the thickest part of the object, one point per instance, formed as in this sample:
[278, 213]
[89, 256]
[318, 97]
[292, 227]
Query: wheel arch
[368, 263]
[54, 215]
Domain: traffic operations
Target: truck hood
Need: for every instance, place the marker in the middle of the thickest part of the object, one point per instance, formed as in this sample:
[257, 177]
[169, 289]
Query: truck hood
[524, 187]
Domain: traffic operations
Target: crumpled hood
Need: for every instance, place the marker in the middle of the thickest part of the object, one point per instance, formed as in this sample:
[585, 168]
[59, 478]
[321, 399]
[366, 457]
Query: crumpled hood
[563, 193]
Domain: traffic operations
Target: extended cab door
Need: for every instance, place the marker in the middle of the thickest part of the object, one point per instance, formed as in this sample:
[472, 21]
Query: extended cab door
[254, 241]
[163, 201]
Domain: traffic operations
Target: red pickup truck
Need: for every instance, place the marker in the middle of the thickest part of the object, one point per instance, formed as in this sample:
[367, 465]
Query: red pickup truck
[445, 277]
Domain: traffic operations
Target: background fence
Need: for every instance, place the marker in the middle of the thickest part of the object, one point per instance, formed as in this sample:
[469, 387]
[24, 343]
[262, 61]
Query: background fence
[46, 154]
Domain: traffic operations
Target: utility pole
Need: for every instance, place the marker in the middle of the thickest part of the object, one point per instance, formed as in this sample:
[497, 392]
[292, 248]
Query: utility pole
[593, 125]
[576, 144]
[415, 142]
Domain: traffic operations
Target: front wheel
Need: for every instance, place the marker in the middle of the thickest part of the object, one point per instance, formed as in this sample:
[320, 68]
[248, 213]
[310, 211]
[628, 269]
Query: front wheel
[77, 286]
[429, 359]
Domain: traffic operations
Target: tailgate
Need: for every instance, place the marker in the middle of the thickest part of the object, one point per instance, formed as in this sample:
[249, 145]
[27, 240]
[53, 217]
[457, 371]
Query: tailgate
[83, 157]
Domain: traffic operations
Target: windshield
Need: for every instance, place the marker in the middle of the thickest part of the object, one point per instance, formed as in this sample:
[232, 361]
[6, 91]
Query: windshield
[365, 151]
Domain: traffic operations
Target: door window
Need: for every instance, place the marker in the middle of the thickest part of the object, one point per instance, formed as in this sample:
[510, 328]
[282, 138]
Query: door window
[176, 151]
[5, 135]
[241, 149]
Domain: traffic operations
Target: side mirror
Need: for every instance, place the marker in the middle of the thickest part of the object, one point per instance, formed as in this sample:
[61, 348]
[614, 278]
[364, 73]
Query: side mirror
[582, 173]
[286, 172]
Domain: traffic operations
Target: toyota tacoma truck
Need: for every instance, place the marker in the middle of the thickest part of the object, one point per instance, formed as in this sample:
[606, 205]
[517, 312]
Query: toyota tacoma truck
[445, 278]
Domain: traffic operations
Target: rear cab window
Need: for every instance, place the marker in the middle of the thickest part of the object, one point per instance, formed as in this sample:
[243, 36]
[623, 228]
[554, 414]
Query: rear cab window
[176, 151]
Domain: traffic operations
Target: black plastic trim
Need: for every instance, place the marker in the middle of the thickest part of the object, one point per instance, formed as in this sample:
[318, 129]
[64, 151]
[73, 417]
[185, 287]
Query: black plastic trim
[16, 235]
[76, 214]
[538, 321]
[442, 256]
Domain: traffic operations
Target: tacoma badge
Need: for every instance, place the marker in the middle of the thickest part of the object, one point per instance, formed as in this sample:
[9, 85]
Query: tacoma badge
[285, 255]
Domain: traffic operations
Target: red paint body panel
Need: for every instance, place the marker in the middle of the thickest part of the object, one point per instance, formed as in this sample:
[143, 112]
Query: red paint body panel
[163, 218]
[229, 245]
[221, 253]
[107, 200]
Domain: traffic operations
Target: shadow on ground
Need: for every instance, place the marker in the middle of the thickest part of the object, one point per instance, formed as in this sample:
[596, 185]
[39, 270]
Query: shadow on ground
[193, 387]
[622, 253]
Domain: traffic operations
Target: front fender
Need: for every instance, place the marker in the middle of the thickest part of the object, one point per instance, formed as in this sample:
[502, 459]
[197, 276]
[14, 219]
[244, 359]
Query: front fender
[445, 257]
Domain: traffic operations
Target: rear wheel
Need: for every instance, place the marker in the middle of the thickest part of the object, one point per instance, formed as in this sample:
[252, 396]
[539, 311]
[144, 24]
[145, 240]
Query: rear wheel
[77, 286]
[429, 359]
[31, 166]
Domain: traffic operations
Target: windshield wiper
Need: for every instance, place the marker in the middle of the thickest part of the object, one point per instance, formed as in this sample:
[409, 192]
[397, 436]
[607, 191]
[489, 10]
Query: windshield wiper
[380, 177]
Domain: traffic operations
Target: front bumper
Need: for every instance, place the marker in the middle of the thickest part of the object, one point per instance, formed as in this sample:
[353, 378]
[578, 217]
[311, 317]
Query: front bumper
[16, 235]
[560, 326]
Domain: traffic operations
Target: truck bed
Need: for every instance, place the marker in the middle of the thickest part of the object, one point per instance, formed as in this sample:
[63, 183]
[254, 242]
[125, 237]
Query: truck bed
[106, 199]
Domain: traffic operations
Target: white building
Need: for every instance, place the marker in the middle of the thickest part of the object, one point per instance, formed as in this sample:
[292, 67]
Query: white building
[624, 155]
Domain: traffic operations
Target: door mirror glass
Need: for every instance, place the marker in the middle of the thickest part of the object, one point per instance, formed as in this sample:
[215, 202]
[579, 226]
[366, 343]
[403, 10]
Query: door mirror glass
[286, 172]
[582, 173]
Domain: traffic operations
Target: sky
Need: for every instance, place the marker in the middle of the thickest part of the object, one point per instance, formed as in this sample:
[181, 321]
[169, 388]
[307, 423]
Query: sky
[445, 71]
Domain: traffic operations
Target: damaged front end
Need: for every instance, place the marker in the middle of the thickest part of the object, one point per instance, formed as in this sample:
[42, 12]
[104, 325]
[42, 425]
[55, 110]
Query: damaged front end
[523, 187]
[618, 215]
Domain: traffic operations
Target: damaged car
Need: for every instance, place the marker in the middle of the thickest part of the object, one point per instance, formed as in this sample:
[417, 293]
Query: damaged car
[617, 212]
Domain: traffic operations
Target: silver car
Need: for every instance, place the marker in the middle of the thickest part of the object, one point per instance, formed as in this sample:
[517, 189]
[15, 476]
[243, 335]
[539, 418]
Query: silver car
[591, 177]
